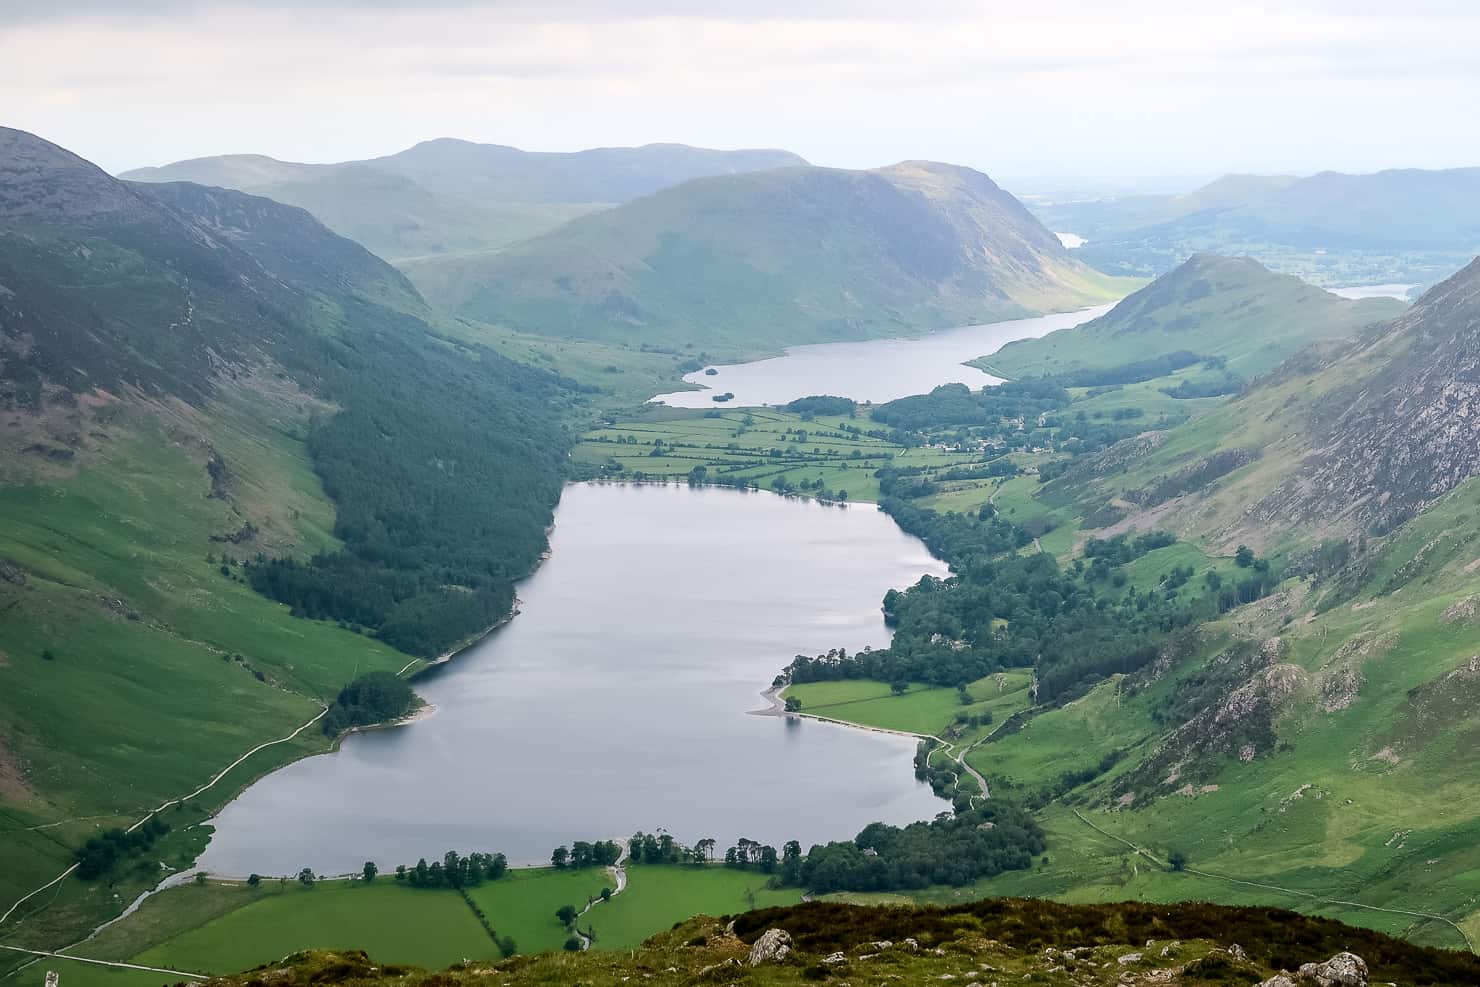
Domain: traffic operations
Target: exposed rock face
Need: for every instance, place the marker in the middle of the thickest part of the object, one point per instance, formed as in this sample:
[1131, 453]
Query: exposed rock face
[1341, 970]
[1278, 980]
[1393, 440]
[773, 946]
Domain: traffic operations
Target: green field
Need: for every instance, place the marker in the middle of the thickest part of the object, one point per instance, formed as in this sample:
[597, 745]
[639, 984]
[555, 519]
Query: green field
[222, 927]
[658, 896]
[756, 446]
[77, 974]
[395, 924]
[523, 904]
[921, 710]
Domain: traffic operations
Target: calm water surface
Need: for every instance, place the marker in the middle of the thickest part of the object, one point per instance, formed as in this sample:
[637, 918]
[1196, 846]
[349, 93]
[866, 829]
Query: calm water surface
[1398, 291]
[878, 370]
[618, 699]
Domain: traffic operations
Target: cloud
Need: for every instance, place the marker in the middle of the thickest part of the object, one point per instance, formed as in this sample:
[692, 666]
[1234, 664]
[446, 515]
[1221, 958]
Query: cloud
[1047, 87]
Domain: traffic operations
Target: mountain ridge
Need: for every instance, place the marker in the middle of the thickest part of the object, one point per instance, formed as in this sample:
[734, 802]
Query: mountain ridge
[783, 256]
[449, 195]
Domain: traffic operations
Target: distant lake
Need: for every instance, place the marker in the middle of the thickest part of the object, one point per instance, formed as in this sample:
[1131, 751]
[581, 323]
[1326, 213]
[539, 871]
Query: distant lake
[617, 700]
[1398, 291]
[878, 370]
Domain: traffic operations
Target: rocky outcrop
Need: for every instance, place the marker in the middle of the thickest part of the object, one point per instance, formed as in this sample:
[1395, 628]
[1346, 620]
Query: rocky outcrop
[773, 946]
[1341, 970]
[1389, 440]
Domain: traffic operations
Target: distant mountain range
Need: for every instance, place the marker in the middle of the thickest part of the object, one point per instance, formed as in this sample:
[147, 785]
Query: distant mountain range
[1406, 224]
[765, 259]
[1232, 309]
[451, 196]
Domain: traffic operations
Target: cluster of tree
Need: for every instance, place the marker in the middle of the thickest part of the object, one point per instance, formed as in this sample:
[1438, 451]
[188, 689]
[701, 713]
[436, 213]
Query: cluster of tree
[102, 853]
[452, 871]
[941, 778]
[747, 854]
[1129, 373]
[952, 849]
[956, 538]
[444, 462]
[818, 487]
[1124, 548]
[661, 848]
[821, 404]
[582, 854]
[957, 404]
[374, 697]
[995, 612]
[1213, 387]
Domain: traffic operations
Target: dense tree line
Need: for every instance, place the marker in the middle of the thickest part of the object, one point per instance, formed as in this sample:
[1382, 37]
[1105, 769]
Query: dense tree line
[582, 854]
[102, 853]
[1123, 548]
[1000, 609]
[957, 404]
[1129, 373]
[1215, 387]
[951, 849]
[454, 870]
[374, 697]
[444, 462]
[821, 404]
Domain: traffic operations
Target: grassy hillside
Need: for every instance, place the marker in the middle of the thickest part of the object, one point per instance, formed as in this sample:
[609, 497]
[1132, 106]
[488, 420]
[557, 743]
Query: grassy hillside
[1233, 309]
[449, 196]
[1010, 940]
[195, 385]
[1304, 746]
[757, 261]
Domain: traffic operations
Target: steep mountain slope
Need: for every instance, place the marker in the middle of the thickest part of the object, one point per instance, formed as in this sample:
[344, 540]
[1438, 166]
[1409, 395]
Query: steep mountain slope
[451, 196]
[762, 260]
[1230, 308]
[1290, 717]
[1344, 438]
[190, 378]
[1406, 224]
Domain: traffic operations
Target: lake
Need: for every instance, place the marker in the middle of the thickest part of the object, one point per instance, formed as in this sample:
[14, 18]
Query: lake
[1398, 291]
[617, 700]
[876, 370]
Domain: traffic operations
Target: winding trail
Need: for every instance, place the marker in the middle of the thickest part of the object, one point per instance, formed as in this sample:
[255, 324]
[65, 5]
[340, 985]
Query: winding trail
[160, 808]
[112, 963]
[1295, 892]
[777, 707]
[619, 874]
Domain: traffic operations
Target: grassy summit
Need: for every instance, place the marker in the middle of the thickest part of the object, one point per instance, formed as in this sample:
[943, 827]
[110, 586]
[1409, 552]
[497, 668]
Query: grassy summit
[1231, 308]
[762, 260]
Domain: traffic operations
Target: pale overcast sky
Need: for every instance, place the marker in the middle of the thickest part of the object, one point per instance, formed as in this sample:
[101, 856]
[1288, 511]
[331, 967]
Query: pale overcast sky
[1030, 91]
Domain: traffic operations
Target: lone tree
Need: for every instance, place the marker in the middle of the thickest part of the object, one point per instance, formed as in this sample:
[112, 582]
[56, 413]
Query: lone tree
[793, 704]
[1178, 860]
[559, 856]
[573, 944]
[567, 914]
[370, 870]
[306, 878]
[253, 880]
[606, 894]
[507, 946]
[899, 687]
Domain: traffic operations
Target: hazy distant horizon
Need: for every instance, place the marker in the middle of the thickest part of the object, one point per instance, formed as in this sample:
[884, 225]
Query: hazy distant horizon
[1056, 94]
